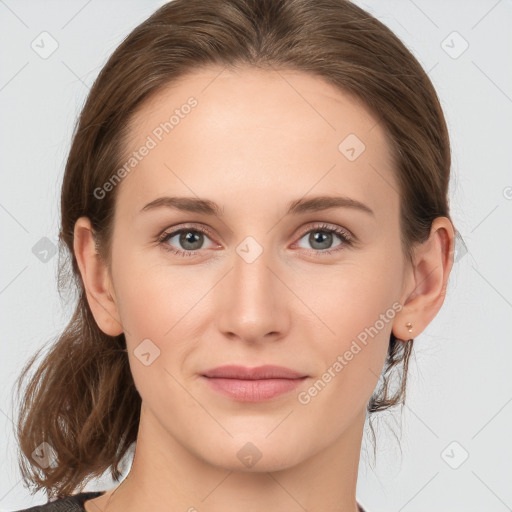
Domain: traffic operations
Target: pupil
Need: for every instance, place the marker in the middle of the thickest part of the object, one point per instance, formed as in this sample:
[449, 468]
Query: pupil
[321, 237]
[188, 238]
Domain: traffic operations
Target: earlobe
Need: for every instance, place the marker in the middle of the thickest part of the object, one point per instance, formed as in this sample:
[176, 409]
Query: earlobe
[426, 291]
[96, 279]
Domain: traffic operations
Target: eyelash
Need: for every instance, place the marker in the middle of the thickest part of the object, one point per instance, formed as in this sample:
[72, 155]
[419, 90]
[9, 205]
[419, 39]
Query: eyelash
[346, 238]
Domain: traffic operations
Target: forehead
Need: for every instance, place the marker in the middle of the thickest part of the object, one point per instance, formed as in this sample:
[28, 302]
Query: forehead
[253, 130]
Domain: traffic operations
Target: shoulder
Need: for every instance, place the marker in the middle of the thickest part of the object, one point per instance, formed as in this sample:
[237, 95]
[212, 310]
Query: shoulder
[73, 503]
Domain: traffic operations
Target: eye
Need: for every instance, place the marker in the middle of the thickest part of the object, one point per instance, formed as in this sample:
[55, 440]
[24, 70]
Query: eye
[189, 240]
[321, 239]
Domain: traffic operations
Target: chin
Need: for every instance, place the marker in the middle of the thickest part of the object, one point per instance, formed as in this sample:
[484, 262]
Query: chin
[253, 455]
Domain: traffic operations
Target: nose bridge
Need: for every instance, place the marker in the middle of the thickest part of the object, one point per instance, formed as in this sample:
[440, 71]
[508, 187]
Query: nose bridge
[253, 304]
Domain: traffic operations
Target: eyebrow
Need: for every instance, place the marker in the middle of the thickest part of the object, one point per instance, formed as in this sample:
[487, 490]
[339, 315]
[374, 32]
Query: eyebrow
[298, 206]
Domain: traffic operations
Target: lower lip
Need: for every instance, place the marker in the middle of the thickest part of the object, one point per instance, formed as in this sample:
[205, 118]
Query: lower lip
[244, 390]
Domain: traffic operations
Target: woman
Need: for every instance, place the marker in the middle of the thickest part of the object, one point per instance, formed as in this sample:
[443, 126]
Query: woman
[256, 208]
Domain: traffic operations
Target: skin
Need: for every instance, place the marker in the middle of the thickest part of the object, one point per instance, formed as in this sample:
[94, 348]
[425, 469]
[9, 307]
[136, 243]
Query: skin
[257, 140]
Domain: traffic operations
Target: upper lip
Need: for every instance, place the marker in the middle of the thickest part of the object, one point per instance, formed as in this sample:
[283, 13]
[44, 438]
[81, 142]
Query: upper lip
[255, 373]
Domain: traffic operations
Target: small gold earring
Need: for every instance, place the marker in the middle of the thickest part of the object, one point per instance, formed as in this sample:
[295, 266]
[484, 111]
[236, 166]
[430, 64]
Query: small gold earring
[409, 326]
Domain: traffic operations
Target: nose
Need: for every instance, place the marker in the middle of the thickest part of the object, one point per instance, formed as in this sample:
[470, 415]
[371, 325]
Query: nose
[252, 301]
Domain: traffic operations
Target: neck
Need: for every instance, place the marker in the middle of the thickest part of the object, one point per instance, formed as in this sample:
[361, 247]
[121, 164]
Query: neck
[168, 477]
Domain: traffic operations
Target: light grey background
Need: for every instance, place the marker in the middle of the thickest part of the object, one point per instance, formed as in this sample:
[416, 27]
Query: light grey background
[460, 388]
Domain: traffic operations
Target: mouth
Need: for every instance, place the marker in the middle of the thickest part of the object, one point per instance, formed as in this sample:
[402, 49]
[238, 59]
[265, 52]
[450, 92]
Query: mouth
[257, 384]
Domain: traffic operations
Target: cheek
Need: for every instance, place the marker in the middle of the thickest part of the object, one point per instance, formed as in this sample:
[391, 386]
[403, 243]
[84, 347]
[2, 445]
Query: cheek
[353, 297]
[158, 314]
[352, 364]
[154, 298]
[162, 310]
[358, 304]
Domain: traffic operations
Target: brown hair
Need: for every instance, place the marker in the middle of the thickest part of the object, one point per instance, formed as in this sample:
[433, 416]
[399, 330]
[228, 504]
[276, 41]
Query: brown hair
[82, 399]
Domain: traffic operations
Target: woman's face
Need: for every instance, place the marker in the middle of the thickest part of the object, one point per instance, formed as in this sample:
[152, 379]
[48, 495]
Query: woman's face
[264, 272]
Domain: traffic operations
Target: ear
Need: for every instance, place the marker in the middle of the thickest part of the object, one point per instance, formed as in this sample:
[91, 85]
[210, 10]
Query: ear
[426, 282]
[96, 279]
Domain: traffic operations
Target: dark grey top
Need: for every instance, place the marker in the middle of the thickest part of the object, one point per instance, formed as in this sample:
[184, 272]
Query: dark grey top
[75, 503]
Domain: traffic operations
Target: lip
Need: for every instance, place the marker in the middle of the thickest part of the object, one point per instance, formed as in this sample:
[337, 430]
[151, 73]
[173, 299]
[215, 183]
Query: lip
[267, 371]
[256, 384]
